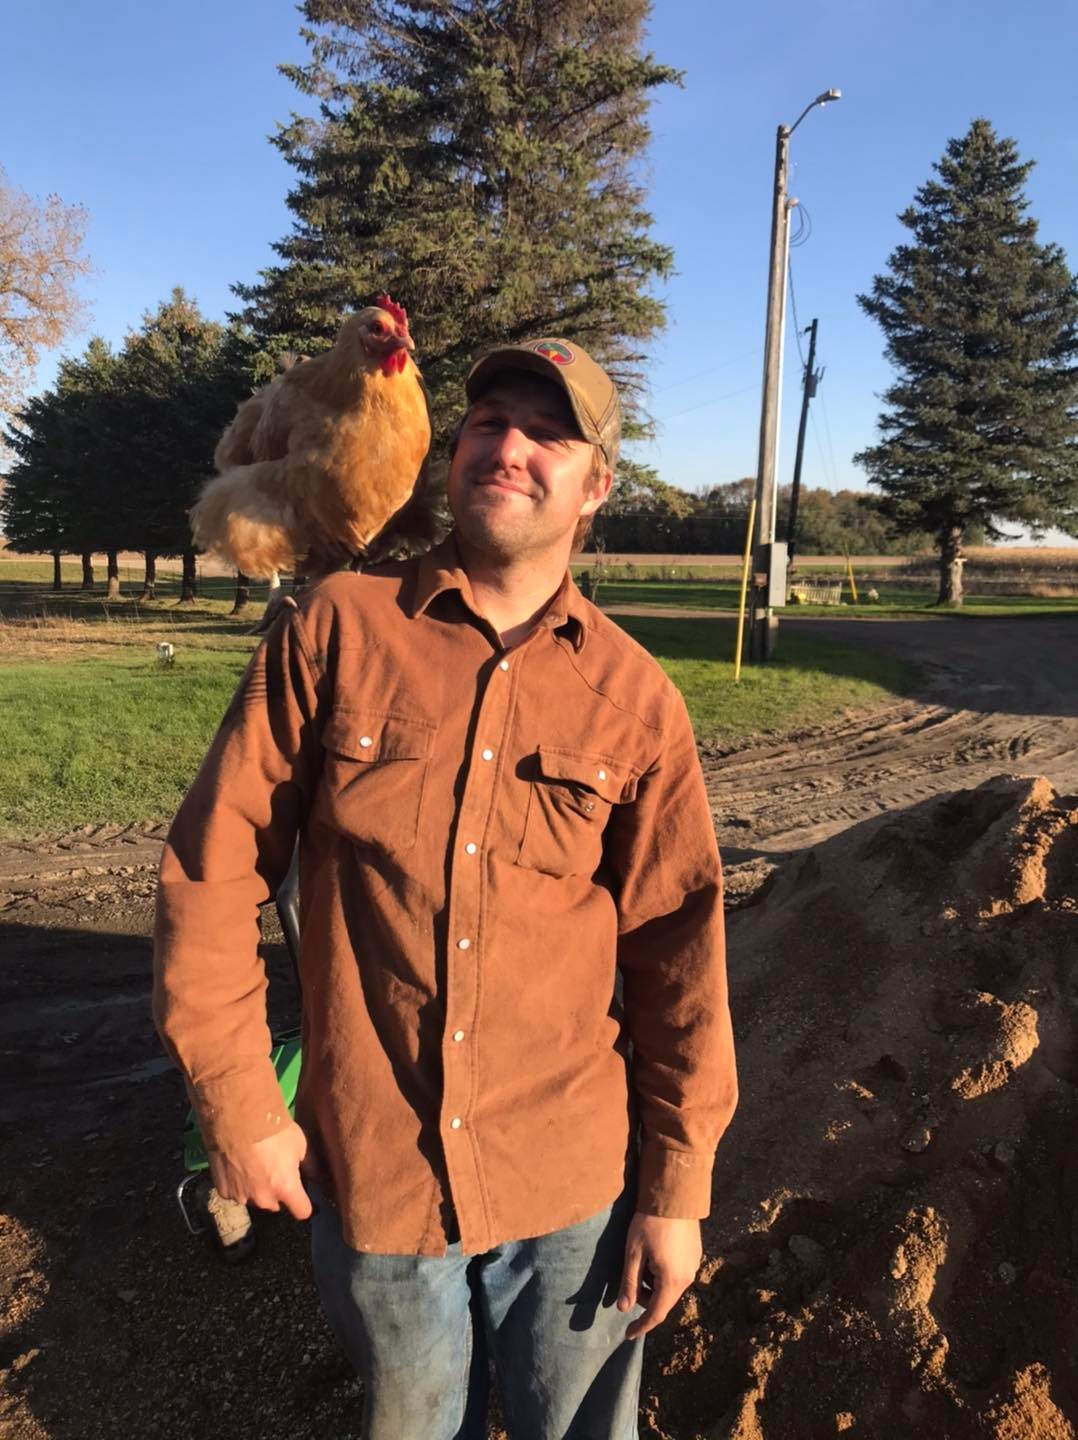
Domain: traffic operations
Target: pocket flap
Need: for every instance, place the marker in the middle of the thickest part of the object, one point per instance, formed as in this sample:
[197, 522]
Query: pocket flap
[612, 779]
[377, 737]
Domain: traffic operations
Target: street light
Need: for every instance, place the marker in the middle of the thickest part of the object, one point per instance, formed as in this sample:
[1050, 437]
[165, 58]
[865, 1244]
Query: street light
[767, 562]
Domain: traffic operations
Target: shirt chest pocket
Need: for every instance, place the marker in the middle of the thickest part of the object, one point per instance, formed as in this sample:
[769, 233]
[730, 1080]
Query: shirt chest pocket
[570, 798]
[374, 775]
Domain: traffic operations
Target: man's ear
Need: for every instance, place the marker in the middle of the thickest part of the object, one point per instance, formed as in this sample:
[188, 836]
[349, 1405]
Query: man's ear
[600, 489]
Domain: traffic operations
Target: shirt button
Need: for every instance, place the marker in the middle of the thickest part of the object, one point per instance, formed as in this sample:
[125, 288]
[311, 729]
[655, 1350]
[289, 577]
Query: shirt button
[454, 1124]
[602, 774]
[471, 848]
[464, 944]
[365, 741]
[458, 1035]
[488, 754]
[504, 665]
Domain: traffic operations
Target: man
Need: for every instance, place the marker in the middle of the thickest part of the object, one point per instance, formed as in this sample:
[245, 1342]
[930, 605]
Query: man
[500, 810]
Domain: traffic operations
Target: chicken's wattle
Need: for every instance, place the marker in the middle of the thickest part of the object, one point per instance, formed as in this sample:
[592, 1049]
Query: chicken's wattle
[394, 363]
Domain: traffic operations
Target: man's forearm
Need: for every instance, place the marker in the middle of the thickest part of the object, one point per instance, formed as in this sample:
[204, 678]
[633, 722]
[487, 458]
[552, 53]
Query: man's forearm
[228, 849]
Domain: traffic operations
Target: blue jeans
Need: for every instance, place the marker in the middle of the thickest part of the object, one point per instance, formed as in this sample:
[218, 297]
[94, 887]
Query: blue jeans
[419, 1329]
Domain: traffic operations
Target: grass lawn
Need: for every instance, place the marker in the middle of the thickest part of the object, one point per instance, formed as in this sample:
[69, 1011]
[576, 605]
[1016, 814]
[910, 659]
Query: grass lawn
[96, 730]
[106, 738]
[893, 601]
[808, 681]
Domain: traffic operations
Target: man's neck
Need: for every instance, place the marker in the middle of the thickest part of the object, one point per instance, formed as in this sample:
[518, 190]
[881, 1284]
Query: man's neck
[513, 594]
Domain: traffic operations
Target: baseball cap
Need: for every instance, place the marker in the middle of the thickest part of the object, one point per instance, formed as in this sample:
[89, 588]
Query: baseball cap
[591, 392]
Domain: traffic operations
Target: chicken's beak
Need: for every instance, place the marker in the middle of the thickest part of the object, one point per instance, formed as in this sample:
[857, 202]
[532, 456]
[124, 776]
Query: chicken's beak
[405, 341]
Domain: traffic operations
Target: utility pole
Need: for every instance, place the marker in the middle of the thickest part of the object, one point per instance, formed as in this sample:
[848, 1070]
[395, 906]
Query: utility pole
[760, 625]
[812, 379]
[769, 565]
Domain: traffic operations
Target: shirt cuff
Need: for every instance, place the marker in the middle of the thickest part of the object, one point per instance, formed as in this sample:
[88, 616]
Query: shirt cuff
[240, 1108]
[675, 1184]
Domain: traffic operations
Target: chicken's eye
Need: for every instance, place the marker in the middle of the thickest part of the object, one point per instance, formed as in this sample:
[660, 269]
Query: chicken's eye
[378, 328]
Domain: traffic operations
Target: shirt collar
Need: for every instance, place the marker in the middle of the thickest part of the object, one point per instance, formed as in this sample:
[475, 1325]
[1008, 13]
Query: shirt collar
[441, 569]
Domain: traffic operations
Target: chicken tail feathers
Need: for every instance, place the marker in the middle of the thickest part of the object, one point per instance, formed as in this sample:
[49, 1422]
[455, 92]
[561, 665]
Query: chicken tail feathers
[243, 516]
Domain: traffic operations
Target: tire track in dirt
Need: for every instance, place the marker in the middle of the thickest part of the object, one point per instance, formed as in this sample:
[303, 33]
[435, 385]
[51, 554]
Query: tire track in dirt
[995, 696]
[83, 868]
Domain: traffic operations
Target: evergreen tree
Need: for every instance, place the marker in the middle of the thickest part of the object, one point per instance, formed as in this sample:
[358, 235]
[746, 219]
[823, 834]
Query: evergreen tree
[981, 323]
[92, 461]
[638, 490]
[113, 457]
[59, 491]
[183, 376]
[33, 514]
[479, 160]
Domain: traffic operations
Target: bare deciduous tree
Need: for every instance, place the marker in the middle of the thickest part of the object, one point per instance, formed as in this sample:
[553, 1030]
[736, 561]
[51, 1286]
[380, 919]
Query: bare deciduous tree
[41, 260]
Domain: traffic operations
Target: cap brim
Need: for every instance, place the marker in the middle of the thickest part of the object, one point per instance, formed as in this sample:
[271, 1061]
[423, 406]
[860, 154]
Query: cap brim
[488, 367]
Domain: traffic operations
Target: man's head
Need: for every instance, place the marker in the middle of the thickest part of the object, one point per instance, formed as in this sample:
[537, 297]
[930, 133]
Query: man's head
[534, 457]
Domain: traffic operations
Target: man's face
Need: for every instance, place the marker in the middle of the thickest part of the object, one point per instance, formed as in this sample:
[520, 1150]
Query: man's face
[522, 475]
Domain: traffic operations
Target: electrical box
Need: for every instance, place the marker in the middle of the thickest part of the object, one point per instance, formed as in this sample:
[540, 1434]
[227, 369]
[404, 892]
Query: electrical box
[774, 560]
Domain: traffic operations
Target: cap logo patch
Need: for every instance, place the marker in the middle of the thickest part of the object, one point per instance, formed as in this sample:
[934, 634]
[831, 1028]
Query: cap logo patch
[556, 351]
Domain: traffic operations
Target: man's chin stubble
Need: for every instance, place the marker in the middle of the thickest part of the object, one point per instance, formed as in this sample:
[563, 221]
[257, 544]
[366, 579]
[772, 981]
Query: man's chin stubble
[502, 538]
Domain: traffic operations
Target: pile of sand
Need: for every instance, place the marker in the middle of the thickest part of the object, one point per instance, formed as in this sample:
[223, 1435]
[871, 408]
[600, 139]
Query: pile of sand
[894, 1244]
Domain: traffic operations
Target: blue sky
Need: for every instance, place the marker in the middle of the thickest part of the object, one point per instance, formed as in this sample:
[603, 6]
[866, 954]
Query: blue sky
[156, 118]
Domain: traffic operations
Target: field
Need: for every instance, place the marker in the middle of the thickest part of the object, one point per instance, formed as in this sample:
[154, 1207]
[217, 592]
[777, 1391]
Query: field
[998, 581]
[99, 731]
[891, 600]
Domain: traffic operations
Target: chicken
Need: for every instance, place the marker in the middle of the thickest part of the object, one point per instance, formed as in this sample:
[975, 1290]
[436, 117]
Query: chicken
[316, 464]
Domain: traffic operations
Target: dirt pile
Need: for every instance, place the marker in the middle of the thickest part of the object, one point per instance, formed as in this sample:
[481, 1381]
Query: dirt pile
[894, 1245]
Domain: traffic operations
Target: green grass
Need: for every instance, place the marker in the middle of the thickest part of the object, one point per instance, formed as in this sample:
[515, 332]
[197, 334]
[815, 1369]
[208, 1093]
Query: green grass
[808, 682]
[23, 587]
[659, 573]
[107, 739]
[684, 594]
[893, 602]
[96, 731]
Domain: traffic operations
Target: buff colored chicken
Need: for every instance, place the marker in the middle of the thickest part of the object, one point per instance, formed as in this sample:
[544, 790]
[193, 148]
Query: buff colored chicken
[316, 464]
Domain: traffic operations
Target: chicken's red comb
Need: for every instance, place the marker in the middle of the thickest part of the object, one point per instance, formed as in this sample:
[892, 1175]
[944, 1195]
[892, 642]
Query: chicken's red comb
[397, 311]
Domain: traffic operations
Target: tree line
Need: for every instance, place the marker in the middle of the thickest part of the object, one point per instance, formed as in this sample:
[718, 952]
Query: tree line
[662, 518]
[112, 456]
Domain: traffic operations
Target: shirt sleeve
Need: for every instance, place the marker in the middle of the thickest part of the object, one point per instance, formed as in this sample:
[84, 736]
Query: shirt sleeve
[227, 852]
[671, 953]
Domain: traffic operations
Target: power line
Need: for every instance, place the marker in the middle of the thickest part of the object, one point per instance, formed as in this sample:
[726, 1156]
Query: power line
[804, 229]
[830, 447]
[797, 322]
[714, 400]
[700, 374]
[819, 443]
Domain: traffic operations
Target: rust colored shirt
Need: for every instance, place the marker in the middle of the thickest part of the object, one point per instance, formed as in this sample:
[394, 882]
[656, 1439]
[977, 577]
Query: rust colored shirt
[486, 837]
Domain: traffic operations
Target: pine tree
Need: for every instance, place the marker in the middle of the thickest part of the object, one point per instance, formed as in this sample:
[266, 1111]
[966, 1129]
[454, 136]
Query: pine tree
[58, 491]
[92, 461]
[112, 458]
[477, 159]
[981, 323]
[33, 514]
[182, 378]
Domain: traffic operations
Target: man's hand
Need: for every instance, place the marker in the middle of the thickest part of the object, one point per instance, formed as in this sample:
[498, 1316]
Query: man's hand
[661, 1260]
[265, 1174]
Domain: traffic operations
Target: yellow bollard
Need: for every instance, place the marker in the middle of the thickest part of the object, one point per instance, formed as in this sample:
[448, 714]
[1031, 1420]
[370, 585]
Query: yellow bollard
[744, 591]
[849, 572]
